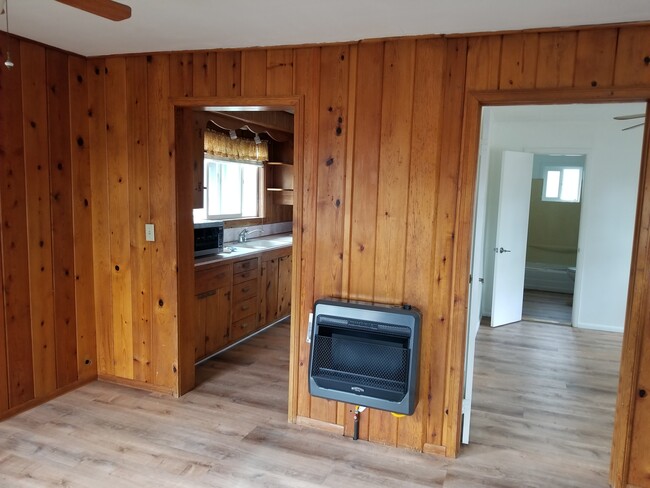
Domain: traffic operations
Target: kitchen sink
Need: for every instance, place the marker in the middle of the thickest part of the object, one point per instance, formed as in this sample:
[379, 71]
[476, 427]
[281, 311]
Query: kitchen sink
[268, 243]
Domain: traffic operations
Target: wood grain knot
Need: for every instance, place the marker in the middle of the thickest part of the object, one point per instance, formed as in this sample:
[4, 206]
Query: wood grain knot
[642, 393]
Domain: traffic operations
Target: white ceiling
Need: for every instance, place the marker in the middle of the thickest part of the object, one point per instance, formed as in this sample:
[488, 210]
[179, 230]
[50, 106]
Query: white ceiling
[172, 25]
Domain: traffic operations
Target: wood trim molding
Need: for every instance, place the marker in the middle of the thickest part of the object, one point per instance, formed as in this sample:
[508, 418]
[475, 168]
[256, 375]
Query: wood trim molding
[638, 310]
[140, 385]
[320, 425]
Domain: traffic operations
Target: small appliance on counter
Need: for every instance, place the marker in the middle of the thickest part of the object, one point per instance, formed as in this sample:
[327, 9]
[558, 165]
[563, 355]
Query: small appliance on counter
[208, 238]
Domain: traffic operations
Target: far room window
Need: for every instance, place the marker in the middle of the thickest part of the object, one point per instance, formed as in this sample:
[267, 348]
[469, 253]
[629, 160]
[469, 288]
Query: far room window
[232, 189]
[562, 184]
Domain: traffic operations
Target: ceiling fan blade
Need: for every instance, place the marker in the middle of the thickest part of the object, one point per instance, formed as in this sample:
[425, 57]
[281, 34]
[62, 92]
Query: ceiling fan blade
[108, 9]
[629, 117]
[633, 126]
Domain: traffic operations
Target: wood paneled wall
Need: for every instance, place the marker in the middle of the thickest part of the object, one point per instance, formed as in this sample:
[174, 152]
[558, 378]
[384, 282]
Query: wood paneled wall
[385, 203]
[47, 326]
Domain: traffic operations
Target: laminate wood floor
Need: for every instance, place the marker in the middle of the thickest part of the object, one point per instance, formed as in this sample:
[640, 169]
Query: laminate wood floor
[547, 306]
[231, 431]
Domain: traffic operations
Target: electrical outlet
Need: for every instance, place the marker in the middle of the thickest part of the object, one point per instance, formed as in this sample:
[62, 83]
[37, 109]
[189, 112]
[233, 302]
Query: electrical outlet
[149, 232]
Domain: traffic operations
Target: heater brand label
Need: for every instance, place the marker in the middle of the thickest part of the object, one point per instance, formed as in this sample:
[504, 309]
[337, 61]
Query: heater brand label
[358, 389]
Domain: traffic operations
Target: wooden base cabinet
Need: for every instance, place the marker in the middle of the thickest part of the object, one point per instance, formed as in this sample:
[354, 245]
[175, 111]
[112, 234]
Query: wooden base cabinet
[237, 298]
[213, 288]
[275, 282]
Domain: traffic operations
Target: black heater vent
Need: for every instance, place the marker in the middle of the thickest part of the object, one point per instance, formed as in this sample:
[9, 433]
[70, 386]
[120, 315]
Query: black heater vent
[365, 354]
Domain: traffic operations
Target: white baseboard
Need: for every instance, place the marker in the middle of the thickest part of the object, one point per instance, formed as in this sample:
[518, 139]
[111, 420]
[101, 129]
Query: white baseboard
[602, 327]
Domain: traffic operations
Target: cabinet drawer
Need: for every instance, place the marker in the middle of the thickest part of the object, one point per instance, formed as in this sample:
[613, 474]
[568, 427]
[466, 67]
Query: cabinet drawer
[247, 265]
[245, 276]
[245, 290]
[242, 309]
[212, 278]
[243, 327]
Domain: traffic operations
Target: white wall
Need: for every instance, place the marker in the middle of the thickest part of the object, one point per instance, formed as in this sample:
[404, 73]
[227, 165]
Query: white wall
[608, 196]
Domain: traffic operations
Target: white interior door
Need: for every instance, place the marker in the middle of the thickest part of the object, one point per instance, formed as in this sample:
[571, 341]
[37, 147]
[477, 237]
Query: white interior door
[476, 282]
[511, 237]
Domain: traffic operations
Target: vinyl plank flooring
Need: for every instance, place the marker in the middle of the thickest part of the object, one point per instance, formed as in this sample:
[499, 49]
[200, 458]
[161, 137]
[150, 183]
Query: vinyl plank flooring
[542, 417]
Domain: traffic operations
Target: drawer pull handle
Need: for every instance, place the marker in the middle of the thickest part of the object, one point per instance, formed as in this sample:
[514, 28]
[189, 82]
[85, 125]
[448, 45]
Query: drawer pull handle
[245, 307]
[244, 290]
[206, 294]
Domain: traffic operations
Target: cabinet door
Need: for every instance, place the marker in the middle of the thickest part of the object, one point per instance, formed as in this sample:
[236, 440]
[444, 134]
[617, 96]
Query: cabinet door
[217, 322]
[269, 291]
[201, 307]
[284, 286]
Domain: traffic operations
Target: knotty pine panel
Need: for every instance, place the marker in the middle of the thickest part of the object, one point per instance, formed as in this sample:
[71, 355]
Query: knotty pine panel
[445, 217]
[36, 157]
[279, 72]
[556, 59]
[139, 215]
[420, 232]
[14, 237]
[181, 74]
[82, 217]
[41, 116]
[204, 74]
[229, 74]
[162, 183]
[595, 57]
[519, 55]
[65, 322]
[330, 188]
[96, 74]
[253, 73]
[393, 196]
[118, 203]
[632, 67]
[307, 82]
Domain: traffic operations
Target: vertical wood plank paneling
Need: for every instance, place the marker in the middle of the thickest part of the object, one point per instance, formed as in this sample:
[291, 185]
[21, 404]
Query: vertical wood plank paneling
[331, 187]
[632, 57]
[38, 217]
[181, 74]
[65, 320]
[187, 315]
[393, 192]
[423, 180]
[162, 188]
[519, 61]
[446, 208]
[595, 57]
[138, 181]
[82, 218]
[204, 69]
[14, 237]
[99, 182]
[307, 82]
[118, 187]
[365, 157]
[4, 387]
[229, 69]
[253, 73]
[556, 59]
[366, 168]
[279, 72]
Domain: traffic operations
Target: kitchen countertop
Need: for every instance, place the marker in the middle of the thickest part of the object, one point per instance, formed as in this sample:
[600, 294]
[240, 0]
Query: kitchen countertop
[249, 248]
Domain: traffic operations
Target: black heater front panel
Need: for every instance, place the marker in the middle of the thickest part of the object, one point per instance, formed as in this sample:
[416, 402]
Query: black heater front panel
[365, 354]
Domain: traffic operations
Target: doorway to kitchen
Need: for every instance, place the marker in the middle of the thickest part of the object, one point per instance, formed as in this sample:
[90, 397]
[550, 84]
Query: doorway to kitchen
[236, 294]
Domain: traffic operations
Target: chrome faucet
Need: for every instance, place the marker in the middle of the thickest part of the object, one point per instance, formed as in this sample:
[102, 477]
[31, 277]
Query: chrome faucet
[243, 235]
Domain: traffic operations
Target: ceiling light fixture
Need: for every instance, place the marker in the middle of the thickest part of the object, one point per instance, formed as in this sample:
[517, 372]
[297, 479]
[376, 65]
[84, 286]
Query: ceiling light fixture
[8, 62]
[233, 134]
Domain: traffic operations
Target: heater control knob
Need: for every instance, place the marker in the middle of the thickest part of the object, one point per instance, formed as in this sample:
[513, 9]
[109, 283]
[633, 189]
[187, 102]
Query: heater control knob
[406, 306]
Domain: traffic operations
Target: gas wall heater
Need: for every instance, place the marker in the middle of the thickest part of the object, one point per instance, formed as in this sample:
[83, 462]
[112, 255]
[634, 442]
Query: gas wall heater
[365, 354]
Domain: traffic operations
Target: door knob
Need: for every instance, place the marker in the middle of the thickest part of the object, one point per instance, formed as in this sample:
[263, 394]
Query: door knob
[502, 250]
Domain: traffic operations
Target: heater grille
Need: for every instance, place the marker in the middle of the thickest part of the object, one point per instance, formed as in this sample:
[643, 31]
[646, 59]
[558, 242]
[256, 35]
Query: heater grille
[360, 365]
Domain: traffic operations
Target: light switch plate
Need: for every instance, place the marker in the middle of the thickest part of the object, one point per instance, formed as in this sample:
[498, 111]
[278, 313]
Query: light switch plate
[149, 232]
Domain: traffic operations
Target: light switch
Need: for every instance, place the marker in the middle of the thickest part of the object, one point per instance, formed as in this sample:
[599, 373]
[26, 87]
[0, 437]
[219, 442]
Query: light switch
[149, 232]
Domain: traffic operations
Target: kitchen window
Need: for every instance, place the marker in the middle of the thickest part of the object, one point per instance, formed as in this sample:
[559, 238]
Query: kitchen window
[232, 189]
